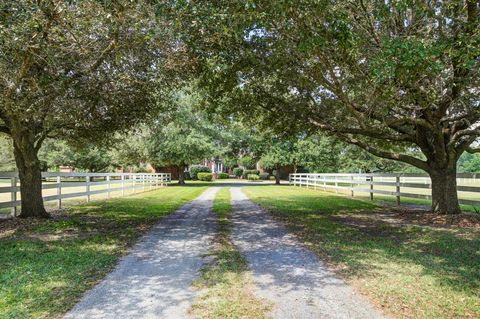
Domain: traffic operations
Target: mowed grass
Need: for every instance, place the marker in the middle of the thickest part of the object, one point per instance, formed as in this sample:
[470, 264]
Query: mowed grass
[45, 266]
[226, 282]
[409, 271]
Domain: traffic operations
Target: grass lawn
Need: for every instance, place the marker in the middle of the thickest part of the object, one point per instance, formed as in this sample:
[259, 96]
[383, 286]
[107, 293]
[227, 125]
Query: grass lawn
[384, 199]
[46, 265]
[410, 271]
[226, 282]
[389, 199]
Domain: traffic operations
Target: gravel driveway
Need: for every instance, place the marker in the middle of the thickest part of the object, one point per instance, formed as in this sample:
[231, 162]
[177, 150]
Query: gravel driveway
[155, 279]
[289, 276]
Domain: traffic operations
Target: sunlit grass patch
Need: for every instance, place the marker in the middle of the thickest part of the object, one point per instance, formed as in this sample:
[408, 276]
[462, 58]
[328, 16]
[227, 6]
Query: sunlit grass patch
[226, 282]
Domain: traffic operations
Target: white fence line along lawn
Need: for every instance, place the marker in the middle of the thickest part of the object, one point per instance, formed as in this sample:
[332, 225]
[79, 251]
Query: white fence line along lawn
[59, 186]
[416, 186]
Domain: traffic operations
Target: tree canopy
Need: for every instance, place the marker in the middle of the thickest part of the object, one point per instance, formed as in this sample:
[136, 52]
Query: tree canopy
[181, 137]
[398, 79]
[389, 77]
[81, 70]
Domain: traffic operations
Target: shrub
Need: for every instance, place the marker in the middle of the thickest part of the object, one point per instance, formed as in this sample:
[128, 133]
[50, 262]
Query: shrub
[187, 175]
[264, 176]
[250, 171]
[206, 177]
[222, 175]
[238, 172]
[141, 170]
[195, 169]
[253, 177]
[272, 178]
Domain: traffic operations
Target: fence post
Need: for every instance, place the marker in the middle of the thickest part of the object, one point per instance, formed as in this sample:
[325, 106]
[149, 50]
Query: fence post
[143, 182]
[398, 189]
[150, 181]
[315, 182]
[134, 182]
[371, 187]
[108, 187]
[336, 184]
[13, 196]
[87, 180]
[351, 186]
[123, 184]
[59, 192]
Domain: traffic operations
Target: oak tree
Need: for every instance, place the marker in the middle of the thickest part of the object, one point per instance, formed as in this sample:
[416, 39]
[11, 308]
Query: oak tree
[180, 137]
[391, 77]
[78, 70]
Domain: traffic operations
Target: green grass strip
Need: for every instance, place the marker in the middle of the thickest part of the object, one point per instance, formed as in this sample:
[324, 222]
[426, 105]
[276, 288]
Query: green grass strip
[226, 282]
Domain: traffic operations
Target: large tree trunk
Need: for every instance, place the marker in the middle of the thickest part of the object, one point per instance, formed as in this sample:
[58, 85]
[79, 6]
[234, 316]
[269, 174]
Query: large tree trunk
[277, 175]
[181, 175]
[444, 191]
[30, 174]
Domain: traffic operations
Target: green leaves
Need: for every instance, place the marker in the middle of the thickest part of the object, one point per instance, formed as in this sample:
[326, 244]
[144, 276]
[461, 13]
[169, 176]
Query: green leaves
[184, 138]
[405, 60]
[83, 69]
[380, 75]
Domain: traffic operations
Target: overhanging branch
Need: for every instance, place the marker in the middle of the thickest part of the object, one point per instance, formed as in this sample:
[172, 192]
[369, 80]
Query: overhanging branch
[473, 150]
[4, 129]
[365, 132]
[385, 154]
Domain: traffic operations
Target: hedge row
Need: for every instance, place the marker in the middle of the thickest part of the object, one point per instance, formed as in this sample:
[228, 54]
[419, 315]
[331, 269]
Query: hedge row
[206, 177]
[195, 169]
[222, 175]
[238, 172]
[250, 172]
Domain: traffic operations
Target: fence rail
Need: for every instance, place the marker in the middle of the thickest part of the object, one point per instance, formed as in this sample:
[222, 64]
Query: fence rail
[58, 186]
[397, 185]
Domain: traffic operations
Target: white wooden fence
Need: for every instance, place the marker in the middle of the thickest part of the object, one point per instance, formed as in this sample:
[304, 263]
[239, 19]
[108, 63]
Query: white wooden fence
[397, 185]
[59, 186]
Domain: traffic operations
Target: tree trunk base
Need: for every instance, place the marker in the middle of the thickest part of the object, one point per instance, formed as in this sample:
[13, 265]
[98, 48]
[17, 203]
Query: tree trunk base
[38, 214]
[444, 192]
[30, 175]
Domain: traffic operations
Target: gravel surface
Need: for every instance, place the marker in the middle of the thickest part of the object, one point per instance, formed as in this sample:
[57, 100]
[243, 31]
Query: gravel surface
[288, 275]
[155, 279]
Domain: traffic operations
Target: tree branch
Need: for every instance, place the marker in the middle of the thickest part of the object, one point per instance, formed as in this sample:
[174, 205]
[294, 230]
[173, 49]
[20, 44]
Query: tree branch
[466, 132]
[385, 154]
[473, 150]
[4, 129]
[403, 137]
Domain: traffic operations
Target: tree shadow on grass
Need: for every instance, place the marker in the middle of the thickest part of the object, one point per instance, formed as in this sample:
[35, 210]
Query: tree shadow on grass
[450, 256]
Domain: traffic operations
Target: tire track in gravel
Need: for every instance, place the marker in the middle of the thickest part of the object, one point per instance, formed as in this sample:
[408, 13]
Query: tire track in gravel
[287, 274]
[154, 280]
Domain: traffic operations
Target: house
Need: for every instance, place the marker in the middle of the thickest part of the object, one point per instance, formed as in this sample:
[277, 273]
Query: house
[65, 169]
[215, 165]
